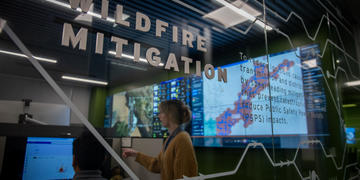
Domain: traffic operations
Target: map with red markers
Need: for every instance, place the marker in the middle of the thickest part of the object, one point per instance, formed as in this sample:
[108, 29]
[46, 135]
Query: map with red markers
[258, 99]
[251, 88]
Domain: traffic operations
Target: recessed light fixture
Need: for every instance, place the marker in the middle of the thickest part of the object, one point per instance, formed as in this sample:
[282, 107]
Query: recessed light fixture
[87, 80]
[132, 57]
[348, 105]
[91, 13]
[235, 13]
[23, 55]
[352, 83]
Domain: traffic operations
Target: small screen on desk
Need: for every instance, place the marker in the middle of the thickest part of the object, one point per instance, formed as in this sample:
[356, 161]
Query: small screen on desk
[48, 158]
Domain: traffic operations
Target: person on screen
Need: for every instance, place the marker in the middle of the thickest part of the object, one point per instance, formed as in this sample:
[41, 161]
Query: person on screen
[88, 157]
[177, 157]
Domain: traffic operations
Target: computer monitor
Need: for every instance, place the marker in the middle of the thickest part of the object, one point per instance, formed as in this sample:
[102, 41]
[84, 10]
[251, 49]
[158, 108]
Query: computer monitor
[350, 135]
[48, 158]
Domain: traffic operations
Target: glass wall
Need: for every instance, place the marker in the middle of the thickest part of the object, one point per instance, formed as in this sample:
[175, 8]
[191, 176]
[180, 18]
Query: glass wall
[272, 85]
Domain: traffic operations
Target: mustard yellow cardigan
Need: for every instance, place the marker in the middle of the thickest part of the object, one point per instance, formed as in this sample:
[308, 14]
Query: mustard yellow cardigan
[177, 161]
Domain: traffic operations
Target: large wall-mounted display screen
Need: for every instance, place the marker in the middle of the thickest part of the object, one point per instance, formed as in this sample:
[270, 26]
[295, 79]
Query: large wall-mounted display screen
[132, 111]
[245, 110]
[135, 112]
[284, 100]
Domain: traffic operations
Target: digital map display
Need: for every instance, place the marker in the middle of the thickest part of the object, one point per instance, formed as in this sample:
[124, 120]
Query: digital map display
[245, 110]
[284, 99]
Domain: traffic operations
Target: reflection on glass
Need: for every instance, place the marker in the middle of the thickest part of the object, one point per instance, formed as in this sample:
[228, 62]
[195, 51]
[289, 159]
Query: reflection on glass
[240, 111]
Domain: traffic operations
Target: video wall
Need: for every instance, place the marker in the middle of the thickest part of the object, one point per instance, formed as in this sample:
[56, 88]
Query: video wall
[135, 112]
[245, 110]
[284, 100]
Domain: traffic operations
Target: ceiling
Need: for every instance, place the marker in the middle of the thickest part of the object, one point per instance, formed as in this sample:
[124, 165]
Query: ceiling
[39, 24]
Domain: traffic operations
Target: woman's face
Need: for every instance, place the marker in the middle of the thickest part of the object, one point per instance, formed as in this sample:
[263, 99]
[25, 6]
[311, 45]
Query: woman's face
[163, 119]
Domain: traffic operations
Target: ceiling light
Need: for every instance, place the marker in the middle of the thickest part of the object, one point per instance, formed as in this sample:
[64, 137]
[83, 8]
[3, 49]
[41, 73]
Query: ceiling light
[352, 83]
[348, 105]
[260, 23]
[228, 15]
[23, 55]
[132, 57]
[118, 63]
[91, 13]
[217, 29]
[85, 80]
[236, 9]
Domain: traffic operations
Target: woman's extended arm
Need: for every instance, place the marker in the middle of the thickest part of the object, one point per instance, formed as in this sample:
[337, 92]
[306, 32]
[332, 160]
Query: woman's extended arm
[150, 163]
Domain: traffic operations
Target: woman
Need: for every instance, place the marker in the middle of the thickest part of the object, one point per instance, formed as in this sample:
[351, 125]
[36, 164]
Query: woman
[177, 157]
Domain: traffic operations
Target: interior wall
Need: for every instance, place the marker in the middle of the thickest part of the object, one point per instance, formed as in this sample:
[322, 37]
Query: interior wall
[357, 41]
[55, 114]
[17, 88]
[351, 115]
[2, 150]
[97, 106]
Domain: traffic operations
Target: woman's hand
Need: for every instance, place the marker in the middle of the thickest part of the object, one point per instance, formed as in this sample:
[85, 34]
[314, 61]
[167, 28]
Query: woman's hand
[127, 152]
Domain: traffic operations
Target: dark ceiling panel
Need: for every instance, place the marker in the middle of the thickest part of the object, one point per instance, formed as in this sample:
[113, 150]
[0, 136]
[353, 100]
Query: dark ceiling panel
[39, 24]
